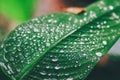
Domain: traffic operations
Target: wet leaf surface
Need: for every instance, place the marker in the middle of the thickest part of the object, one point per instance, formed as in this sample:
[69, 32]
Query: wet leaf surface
[61, 46]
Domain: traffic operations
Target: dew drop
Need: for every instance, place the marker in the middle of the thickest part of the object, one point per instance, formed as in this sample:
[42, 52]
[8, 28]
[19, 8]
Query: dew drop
[69, 79]
[36, 30]
[105, 22]
[61, 51]
[10, 69]
[5, 50]
[99, 54]
[65, 46]
[66, 74]
[108, 26]
[75, 21]
[47, 44]
[70, 18]
[81, 42]
[111, 7]
[49, 74]
[18, 70]
[84, 54]
[92, 14]
[88, 66]
[38, 66]
[57, 67]
[54, 60]
[104, 42]
[85, 19]
[3, 65]
[115, 16]
[47, 67]
[50, 20]
[81, 21]
[105, 8]
[54, 21]
[76, 62]
[43, 73]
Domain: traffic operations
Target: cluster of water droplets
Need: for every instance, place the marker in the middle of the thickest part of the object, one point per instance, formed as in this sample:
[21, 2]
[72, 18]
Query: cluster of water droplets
[66, 60]
[104, 7]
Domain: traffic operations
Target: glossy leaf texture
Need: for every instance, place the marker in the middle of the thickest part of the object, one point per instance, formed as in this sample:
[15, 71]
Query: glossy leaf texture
[61, 46]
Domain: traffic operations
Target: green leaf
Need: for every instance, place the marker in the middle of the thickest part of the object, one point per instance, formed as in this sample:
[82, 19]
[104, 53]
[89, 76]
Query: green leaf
[61, 46]
[17, 10]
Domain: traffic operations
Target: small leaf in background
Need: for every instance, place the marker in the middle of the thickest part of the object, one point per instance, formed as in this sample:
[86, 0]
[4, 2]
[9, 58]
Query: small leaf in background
[17, 10]
[75, 10]
[63, 45]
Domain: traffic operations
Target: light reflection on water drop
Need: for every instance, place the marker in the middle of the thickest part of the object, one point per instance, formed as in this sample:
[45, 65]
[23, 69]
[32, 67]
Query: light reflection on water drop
[111, 7]
[99, 54]
[54, 60]
[69, 79]
[104, 42]
[57, 67]
[43, 73]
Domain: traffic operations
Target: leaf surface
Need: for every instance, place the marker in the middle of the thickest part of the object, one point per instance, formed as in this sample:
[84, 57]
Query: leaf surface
[61, 46]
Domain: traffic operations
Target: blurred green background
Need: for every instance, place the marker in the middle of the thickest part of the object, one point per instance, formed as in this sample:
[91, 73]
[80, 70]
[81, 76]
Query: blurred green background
[15, 12]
